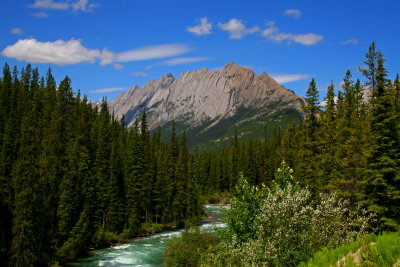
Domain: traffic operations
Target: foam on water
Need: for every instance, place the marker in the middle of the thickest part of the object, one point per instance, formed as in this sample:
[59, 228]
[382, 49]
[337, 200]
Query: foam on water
[144, 251]
[122, 246]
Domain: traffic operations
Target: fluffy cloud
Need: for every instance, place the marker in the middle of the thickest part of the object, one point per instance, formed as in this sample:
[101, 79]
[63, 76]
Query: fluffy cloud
[184, 60]
[203, 29]
[17, 31]
[143, 53]
[49, 4]
[350, 41]
[272, 33]
[107, 90]
[72, 52]
[78, 5]
[59, 52]
[294, 13]
[237, 29]
[282, 78]
[308, 38]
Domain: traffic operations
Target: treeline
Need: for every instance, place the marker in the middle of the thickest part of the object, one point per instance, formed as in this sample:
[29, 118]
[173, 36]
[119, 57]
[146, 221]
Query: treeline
[349, 146]
[72, 177]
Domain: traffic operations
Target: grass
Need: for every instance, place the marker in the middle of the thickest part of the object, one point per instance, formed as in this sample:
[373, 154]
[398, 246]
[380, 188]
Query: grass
[371, 250]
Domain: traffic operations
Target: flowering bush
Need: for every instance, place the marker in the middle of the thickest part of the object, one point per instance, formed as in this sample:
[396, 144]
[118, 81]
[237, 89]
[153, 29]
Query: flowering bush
[286, 228]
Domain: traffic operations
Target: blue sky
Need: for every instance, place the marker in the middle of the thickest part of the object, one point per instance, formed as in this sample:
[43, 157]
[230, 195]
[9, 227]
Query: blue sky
[107, 46]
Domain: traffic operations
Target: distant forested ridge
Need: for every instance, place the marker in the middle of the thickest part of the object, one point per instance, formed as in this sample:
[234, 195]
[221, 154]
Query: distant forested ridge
[72, 177]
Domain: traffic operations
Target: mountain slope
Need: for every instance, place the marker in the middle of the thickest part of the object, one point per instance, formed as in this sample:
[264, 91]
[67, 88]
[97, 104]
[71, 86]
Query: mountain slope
[210, 105]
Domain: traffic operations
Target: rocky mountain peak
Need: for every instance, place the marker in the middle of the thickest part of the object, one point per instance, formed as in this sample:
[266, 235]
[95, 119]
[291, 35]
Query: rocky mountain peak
[201, 96]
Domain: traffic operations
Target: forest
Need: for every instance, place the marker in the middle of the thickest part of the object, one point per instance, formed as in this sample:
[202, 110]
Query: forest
[316, 194]
[72, 177]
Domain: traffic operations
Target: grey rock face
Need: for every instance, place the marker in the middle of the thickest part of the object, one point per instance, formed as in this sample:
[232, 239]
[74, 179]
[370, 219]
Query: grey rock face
[201, 95]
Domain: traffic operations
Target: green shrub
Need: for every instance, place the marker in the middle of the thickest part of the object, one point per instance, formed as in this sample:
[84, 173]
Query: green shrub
[157, 227]
[186, 250]
[281, 226]
[104, 238]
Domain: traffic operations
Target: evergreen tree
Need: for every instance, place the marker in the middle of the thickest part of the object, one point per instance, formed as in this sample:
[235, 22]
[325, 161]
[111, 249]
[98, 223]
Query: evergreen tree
[371, 62]
[308, 166]
[101, 164]
[381, 186]
[27, 244]
[328, 139]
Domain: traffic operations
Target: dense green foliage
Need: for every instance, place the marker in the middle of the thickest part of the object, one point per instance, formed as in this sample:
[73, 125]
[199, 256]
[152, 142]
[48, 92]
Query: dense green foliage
[72, 177]
[280, 225]
[370, 250]
[350, 146]
[186, 250]
[213, 139]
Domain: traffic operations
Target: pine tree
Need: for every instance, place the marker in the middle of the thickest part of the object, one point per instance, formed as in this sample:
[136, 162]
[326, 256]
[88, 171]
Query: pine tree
[147, 170]
[328, 139]
[371, 62]
[308, 166]
[27, 244]
[115, 209]
[181, 176]
[381, 187]
[132, 170]
[101, 164]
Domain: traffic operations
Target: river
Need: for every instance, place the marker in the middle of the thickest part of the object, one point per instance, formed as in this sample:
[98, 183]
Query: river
[142, 251]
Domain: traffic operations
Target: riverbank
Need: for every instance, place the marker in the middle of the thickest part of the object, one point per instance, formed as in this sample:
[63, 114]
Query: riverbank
[212, 213]
[146, 250]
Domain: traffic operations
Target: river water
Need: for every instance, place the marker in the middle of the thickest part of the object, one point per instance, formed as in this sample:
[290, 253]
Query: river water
[143, 251]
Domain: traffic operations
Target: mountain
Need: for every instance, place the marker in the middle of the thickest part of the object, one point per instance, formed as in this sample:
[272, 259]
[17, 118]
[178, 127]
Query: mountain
[210, 105]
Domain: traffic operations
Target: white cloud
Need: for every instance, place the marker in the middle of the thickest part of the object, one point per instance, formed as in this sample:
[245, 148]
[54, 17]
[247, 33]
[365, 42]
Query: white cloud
[308, 38]
[118, 66]
[350, 41]
[78, 5]
[17, 31]
[72, 52]
[271, 29]
[272, 33]
[49, 4]
[203, 29]
[59, 52]
[40, 15]
[139, 74]
[183, 60]
[144, 53]
[107, 90]
[282, 78]
[294, 13]
[237, 29]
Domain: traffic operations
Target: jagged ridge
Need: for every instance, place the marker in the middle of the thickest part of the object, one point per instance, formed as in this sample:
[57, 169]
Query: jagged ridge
[198, 97]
